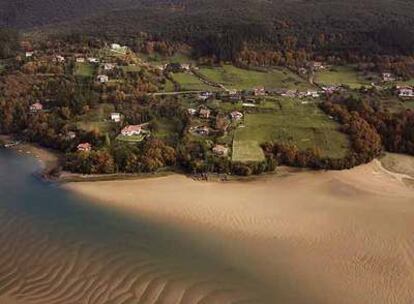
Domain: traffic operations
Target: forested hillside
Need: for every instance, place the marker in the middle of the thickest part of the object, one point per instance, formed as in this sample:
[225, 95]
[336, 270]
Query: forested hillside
[221, 27]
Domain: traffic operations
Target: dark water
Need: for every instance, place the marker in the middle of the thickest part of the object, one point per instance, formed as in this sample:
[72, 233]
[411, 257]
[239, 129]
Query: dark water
[57, 248]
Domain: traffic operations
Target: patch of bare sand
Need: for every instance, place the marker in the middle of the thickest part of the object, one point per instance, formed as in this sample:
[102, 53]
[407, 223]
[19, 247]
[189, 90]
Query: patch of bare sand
[314, 237]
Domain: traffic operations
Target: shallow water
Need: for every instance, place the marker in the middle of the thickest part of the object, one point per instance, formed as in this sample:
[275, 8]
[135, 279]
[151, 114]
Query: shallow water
[55, 247]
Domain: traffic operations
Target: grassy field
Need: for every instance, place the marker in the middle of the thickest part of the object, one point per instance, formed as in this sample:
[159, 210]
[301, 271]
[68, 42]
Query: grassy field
[189, 82]
[303, 125]
[96, 119]
[131, 139]
[84, 69]
[341, 75]
[236, 78]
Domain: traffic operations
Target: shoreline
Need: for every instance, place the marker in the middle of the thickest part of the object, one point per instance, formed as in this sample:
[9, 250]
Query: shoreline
[50, 161]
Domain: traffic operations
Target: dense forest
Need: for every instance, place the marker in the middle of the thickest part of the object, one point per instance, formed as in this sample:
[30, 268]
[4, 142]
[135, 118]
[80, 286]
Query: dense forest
[224, 28]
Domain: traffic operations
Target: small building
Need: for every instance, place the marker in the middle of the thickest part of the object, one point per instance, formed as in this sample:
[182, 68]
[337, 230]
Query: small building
[236, 115]
[202, 130]
[29, 54]
[220, 150]
[204, 96]
[109, 66]
[115, 47]
[36, 107]
[191, 111]
[405, 92]
[84, 147]
[317, 65]
[132, 130]
[259, 91]
[59, 59]
[204, 113]
[93, 60]
[388, 77]
[313, 94]
[80, 59]
[185, 66]
[102, 78]
[71, 135]
[116, 117]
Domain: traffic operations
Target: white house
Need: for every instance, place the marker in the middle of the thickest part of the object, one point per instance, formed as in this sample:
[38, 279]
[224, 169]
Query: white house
[115, 47]
[29, 54]
[59, 59]
[131, 130]
[116, 117]
[109, 66]
[204, 96]
[191, 111]
[102, 78]
[80, 59]
[185, 66]
[313, 94]
[387, 77]
[236, 115]
[406, 92]
[93, 60]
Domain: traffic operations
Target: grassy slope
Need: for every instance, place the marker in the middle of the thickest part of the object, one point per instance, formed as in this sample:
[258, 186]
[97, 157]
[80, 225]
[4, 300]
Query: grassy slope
[303, 125]
[189, 82]
[341, 75]
[236, 78]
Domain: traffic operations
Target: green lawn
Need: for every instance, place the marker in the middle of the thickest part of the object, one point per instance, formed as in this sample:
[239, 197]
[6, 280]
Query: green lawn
[341, 75]
[236, 78]
[303, 125]
[84, 69]
[131, 139]
[245, 150]
[189, 82]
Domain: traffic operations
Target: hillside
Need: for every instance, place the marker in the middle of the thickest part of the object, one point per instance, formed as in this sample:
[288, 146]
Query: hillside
[366, 26]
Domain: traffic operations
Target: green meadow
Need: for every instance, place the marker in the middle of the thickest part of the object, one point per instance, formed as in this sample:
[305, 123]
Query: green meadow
[236, 78]
[303, 125]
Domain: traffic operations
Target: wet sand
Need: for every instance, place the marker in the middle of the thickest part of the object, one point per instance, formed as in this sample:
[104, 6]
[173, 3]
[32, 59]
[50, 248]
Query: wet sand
[312, 237]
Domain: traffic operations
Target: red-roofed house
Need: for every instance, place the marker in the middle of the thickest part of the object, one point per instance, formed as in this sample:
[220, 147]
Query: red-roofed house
[132, 130]
[84, 147]
[36, 107]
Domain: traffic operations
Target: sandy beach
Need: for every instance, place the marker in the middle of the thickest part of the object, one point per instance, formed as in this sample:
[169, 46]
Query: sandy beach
[311, 237]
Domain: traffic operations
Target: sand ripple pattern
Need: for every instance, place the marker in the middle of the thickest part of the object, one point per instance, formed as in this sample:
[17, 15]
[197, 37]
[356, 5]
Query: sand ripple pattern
[43, 268]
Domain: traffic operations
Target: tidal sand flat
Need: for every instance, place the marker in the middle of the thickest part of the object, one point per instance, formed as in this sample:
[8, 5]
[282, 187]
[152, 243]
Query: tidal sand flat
[311, 237]
[315, 237]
